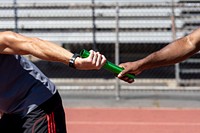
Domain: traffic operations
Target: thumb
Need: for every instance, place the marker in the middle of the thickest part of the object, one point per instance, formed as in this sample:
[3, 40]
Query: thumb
[122, 73]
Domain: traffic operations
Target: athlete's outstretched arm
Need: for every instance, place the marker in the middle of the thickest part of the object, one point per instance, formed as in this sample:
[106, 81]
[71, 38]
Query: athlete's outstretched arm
[13, 43]
[174, 52]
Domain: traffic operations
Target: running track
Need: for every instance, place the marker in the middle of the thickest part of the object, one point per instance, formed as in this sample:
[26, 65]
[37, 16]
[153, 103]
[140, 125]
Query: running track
[132, 120]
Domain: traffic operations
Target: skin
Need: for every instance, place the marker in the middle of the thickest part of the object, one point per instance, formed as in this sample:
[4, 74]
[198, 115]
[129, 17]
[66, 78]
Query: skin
[14, 43]
[174, 52]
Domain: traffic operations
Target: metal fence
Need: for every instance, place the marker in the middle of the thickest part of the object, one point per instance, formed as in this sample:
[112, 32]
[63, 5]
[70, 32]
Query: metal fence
[122, 31]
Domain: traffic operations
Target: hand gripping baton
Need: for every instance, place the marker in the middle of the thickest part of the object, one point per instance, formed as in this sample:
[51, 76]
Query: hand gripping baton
[108, 65]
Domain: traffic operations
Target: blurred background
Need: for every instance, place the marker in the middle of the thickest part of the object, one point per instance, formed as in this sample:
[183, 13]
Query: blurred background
[122, 30]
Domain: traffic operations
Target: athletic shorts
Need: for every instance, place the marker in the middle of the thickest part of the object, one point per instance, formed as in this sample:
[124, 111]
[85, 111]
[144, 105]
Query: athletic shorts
[47, 118]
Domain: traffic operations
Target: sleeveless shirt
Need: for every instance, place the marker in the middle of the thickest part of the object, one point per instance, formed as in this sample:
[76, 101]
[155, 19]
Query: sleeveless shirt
[22, 85]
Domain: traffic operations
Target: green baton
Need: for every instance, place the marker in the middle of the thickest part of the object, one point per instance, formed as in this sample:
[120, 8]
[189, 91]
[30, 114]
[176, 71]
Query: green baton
[108, 65]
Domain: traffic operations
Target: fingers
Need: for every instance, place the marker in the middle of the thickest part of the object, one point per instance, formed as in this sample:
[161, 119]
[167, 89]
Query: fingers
[91, 56]
[122, 74]
[100, 60]
[94, 59]
[126, 79]
[97, 59]
[103, 61]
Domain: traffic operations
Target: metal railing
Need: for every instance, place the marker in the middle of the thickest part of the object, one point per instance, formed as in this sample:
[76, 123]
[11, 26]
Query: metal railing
[112, 28]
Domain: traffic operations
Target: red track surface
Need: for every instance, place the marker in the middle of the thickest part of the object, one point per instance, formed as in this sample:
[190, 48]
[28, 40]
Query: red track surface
[128, 120]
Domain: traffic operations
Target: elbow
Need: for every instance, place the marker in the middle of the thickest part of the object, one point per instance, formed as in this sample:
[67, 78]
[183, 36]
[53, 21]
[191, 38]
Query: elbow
[8, 37]
[194, 39]
[14, 42]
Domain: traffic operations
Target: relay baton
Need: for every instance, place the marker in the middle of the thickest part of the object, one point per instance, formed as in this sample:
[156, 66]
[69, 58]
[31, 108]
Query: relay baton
[108, 65]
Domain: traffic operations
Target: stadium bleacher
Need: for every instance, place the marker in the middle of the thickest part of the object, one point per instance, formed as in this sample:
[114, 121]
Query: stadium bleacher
[42, 19]
[70, 21]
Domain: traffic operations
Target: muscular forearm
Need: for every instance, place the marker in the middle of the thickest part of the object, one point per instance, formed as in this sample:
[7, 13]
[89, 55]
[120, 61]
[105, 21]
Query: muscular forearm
[49, 51]
[12, 43]
[175, 52]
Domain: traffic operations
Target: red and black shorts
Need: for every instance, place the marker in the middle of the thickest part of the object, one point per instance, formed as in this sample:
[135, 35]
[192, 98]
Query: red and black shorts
[47, 118]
